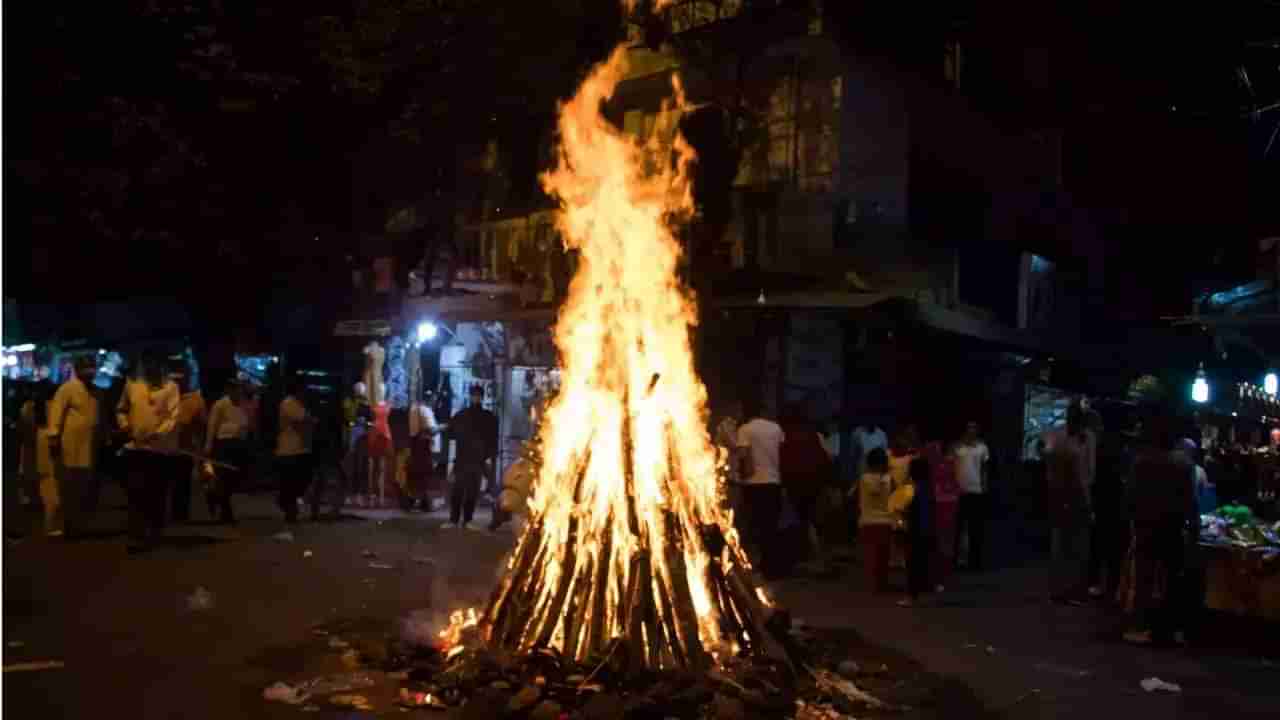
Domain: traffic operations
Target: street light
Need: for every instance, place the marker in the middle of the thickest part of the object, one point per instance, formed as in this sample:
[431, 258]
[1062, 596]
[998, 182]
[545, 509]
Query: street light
[1270, 383]
[427, 331]
[1200, 388]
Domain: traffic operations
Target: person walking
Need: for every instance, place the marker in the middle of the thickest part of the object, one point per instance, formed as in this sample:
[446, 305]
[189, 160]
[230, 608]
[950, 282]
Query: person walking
[73, 437]
[148, 414]
[1163, 510]
[293, 451]
[875, 522]
[475, 432]
[759, 445]
[227, 441]
[1109, 540]
[37, 458]
[946, 498]
[972, 460]
[423, 430]
[1068, 493]
[193, 416]
[806, 470]
[922, 541]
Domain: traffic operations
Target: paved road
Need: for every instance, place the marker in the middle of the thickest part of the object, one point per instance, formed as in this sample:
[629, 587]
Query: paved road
[131, 645]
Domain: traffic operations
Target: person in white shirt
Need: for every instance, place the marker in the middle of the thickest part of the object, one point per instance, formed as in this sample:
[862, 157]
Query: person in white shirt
[73, 435]
[972, 459]
[866, 438]
[148, 413]
[423, 431]
[293, 451]
[759, 444]
[226, 441]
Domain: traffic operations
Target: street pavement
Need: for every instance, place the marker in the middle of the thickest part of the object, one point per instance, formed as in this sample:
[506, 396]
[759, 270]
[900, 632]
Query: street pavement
[131, 644]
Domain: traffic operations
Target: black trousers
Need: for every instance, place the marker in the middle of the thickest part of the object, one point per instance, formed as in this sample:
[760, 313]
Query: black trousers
[147, 478]
[921, 550]
[182, 467]
[463, 496]
[971, 518]
[1157, 549]
[762, 509]
[1108, 546]
[296, 472]
[234, 453]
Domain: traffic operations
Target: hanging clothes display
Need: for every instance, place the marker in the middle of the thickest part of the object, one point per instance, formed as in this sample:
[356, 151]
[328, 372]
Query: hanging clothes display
[397, 375]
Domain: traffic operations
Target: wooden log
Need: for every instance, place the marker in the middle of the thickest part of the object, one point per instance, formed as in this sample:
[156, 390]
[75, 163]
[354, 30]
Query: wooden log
[550, 616]
[600, 593]
[512, 583]
[685, 614]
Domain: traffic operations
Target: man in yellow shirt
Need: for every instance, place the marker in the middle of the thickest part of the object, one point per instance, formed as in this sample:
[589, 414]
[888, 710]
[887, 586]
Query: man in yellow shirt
[192, 418]
[73, 425]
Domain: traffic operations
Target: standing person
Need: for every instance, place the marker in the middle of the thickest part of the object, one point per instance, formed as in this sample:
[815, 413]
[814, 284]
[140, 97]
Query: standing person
[759, 446]
[972, 464]
[875, 523]
[293, 451]
[475, 431]
[806, 471]
[37, 459]
[946, 498]
[192, 418]
[1163, 507]
[1109, 540]
[227, 441]
[922, 541]
[517, 485]
[423, 429]
[1067, 491]
[148, 412]
[726, 437]
[73, 437]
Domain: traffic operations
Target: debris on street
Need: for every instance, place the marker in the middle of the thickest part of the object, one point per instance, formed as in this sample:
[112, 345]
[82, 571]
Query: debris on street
[1155, 684]
[32, 666]
[283, 536]
[381, 566]
[199, 600]
[282, 692]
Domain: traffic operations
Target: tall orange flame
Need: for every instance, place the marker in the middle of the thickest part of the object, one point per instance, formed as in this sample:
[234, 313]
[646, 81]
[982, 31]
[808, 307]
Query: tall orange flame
[617, 543]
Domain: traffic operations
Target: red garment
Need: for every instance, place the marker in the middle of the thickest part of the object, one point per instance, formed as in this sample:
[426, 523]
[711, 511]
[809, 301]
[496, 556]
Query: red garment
[876, 543]
[380, 437]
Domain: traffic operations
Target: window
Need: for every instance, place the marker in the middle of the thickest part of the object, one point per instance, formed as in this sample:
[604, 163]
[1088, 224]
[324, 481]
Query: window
[689, 14]
[799, 145]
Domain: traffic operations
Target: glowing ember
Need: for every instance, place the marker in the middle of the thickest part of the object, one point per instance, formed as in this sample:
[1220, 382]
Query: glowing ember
[627, 535]
[459, 621]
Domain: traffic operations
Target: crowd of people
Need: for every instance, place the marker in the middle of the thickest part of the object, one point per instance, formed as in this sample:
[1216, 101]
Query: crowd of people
[1122, 507]
[154, 434]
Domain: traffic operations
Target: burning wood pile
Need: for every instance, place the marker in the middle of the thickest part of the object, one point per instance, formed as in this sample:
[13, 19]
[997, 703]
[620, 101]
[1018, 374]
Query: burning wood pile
[628, 542]
[629, 572]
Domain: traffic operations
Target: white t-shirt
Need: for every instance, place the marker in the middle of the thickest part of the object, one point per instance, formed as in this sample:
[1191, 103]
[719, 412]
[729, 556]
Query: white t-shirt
[868, 441]
[763, 439]
[294, 437]
[969, 462]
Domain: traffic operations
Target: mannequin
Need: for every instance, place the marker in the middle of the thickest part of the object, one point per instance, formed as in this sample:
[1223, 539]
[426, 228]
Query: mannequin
[374, 355]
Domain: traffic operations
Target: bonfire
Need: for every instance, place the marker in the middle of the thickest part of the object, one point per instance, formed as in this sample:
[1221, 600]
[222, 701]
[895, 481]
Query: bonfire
[629, 546]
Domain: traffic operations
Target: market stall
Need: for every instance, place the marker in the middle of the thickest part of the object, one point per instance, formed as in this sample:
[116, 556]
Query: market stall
[1242, 562]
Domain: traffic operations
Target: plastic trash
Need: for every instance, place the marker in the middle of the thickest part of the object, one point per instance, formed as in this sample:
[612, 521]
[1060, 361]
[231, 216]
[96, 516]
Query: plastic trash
[368, 554]
[342, 682]
[200, 600]
[281, 692]
[381, 566]
[1154, 684]
[306, 553]
[32, 666]
[338, 643]
[283, 536]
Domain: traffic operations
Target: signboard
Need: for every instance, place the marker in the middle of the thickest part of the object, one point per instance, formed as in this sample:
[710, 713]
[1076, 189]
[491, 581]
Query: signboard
[362, 328]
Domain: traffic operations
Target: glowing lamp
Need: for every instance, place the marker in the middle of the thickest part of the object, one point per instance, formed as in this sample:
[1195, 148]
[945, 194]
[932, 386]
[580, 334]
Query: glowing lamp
[1270, 383]
[427, 331]
[1200, 388]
